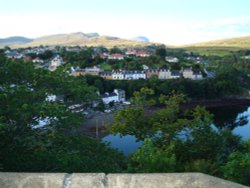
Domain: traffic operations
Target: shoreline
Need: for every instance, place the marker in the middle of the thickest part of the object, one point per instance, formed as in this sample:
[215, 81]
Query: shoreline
[96, 127]
[217, 103]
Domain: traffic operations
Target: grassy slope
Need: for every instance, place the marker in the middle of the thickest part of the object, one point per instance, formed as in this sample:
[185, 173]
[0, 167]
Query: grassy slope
[240, 42]
[220, 47]
[213, 50]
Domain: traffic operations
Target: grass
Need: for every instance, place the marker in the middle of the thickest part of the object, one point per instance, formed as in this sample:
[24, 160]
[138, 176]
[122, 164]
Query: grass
[106, 66]
[212, 51]
[219, 47]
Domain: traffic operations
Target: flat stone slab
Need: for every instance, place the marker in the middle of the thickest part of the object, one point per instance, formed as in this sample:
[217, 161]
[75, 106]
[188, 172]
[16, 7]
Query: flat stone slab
[169, 180]
[31, 180]
[90, 180]
[100, 180]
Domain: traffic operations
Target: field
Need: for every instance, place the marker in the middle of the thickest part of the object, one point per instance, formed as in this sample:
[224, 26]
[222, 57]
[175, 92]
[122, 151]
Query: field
[213, 50]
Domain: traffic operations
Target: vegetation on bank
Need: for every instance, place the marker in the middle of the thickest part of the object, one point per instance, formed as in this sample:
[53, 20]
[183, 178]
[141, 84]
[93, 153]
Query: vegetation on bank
[177, 141]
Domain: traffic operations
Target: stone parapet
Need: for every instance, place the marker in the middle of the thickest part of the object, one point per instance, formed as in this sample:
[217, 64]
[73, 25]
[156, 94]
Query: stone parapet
[101, 180]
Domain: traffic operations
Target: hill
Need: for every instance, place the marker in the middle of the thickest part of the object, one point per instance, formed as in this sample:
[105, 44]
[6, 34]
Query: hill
[240, 42]
[15, 40]
[219, 47]
[77, 39]
[141, 39]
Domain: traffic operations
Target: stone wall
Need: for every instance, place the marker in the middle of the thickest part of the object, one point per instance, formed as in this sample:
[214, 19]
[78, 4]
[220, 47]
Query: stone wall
[100, 180]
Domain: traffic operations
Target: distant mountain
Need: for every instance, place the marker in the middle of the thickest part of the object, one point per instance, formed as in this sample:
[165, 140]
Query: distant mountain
[240, 42]
[92, 35]
[76, 39]
[141, 39]
[16, 39]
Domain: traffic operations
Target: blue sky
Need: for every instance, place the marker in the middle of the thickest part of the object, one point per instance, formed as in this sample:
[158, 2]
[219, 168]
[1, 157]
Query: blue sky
[167, 21]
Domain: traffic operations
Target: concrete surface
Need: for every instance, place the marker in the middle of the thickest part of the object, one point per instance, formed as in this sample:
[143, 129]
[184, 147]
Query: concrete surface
[100, 180]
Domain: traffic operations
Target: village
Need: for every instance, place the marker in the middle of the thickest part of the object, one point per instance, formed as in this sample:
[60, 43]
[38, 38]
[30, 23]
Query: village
[53, 59]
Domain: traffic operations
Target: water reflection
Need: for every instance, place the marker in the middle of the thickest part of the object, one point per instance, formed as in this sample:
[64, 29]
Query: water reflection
[235, 118]
[230, 116]
[244, 131]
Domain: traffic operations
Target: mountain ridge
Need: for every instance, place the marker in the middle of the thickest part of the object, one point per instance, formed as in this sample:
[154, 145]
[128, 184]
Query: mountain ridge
[15, 39]
[74, 39]
[94, 39]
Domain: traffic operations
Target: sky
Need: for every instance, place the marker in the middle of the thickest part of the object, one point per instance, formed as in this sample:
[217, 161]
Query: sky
[172, 22]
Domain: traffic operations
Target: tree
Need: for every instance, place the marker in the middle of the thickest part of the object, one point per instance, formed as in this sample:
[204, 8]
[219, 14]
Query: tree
[115, 50]
[161, 52]
[166, 124]
[181, 140]
[150, 159]
[237, 167]
[46, 55]
[38, 134]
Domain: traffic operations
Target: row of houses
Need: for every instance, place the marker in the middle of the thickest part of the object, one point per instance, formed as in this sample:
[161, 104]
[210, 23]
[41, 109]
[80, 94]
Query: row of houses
[139, 74]
[119, 56]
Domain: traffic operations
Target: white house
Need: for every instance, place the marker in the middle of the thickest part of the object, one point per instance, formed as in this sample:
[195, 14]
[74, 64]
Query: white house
[197, 76]
[164, 74]
[189, 73]
[135, 75]
[37, 60]
[118, 75]
[171, 59]
[121, 95]
[117, 96]
[55, 62]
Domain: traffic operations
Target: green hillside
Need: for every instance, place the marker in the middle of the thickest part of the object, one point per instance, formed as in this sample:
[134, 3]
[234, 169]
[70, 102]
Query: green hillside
[219, 47]
[240, 42]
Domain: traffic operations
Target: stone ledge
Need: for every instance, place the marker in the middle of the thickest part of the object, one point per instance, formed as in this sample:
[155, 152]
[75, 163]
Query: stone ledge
[100, 180]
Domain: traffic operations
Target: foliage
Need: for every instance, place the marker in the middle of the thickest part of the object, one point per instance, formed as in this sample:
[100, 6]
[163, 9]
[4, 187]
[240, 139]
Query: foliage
[175, 140]
[237, 167]
[39, 134]
[150, 159]
[52, 152]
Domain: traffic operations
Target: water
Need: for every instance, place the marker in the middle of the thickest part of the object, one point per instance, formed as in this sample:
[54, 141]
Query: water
[126, 144]
[236, 118]
[244, 129]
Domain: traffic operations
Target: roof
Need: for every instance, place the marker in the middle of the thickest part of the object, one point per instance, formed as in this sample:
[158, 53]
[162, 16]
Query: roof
[108, 73]
[112, 94]
[175, 73]
[116, 55]
[135, 72]
[142, 52]
[107, 95]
